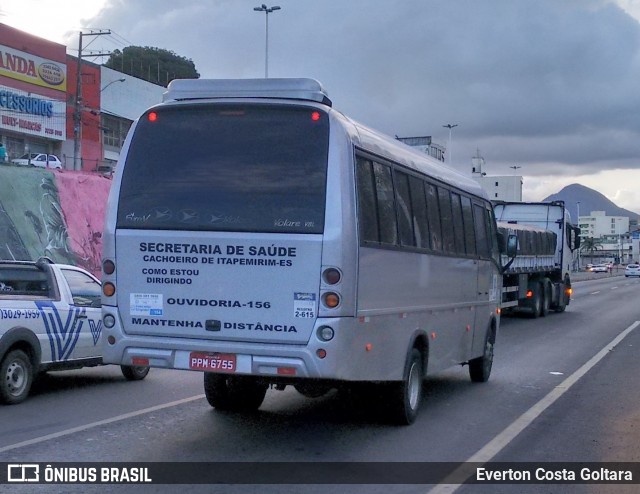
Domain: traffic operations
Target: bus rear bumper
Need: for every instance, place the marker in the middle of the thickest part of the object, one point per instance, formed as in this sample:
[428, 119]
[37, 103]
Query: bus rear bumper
[345, 358]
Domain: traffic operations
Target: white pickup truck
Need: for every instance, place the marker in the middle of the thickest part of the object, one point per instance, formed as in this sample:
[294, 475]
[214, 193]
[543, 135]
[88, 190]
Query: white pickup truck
[50, 319]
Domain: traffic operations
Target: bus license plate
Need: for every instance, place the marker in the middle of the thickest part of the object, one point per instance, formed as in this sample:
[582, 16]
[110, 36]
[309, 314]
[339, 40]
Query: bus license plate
[218, 362]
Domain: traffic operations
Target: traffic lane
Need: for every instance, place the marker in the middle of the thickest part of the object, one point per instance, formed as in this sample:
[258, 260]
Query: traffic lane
[561, 342]
[581, 288]
[458, 417]
[67, 399]
[532, 357]
[597, 420]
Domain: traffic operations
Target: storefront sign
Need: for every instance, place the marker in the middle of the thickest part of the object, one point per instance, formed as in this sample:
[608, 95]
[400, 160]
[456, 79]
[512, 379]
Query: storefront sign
[32, 114]
[32, 69]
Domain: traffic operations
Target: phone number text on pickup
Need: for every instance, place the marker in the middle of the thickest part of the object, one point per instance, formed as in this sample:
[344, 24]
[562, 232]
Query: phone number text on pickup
[19, 314]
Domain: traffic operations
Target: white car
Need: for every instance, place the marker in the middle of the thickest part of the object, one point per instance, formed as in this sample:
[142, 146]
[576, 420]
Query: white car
[41, 160]
[600, 268]
[632, 270]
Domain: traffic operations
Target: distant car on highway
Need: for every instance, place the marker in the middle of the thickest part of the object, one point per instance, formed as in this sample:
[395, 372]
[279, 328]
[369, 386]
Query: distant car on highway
[41, 160]
[632, 270]
[600, 268]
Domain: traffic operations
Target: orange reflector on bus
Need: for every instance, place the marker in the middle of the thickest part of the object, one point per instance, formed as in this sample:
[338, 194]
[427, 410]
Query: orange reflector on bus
[331, 300]
[321, 353]
[109, 289]
[140, 361]
[529, 293]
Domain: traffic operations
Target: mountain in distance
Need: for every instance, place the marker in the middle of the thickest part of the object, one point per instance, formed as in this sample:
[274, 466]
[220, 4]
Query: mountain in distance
[590, 200]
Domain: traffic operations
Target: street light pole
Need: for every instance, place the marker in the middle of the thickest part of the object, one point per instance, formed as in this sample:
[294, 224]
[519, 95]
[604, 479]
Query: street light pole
[112, 82]
[267, 11]
[578, 224]
[450, 150]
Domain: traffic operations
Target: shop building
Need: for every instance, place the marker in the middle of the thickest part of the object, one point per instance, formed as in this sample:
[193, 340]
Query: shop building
[33, 93]
[42, 109]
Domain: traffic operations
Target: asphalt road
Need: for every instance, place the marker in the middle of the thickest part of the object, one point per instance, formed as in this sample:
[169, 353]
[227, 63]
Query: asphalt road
[575, 408]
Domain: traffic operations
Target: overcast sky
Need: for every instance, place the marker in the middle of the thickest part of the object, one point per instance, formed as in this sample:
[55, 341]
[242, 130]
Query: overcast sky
[551, 86]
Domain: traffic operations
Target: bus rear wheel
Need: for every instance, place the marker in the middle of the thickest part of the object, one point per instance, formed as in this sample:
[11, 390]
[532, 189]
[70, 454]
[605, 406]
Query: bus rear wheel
[406, 396]
[233, 393]
[480, 368]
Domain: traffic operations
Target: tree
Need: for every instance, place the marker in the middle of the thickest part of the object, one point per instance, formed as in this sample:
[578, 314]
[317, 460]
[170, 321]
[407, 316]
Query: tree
[590, 245]
[155, 65]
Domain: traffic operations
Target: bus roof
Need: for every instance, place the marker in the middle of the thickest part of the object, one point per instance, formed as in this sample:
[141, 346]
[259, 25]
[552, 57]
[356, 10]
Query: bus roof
[379, 143]
[301, 89]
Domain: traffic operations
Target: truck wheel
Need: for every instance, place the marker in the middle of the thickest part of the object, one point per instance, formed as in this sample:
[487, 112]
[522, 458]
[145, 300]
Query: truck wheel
[545, 290]
[406, 396]
[134, 372]
[536, 301]
[17, 375]
[480, 368]
[233, 393]
[565, 298]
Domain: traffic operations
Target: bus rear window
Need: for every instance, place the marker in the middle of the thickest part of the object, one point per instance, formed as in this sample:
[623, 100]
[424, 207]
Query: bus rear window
[224, 167]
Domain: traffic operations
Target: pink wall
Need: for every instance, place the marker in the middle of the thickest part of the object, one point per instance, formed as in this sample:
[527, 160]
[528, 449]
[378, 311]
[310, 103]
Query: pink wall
[83, 199]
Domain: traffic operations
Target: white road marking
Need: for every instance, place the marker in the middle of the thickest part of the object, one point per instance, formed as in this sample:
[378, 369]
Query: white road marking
[498, 443]
[595, 293]
[111, 420]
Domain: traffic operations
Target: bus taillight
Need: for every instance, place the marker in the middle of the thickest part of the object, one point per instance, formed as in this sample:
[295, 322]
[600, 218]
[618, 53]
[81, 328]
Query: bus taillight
[331, 276]
[108, 266]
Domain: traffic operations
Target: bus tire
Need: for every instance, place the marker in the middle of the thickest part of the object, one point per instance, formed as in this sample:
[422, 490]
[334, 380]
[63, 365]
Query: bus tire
[134, 372]
[233, 393]
[480, 368]
[17, 376]
[312, 390]
[406, 396]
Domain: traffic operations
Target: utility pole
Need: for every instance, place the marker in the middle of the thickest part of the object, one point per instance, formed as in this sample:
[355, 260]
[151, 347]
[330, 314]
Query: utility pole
[77, 112]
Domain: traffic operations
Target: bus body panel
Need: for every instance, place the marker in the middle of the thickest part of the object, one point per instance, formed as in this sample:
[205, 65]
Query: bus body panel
[219, 286]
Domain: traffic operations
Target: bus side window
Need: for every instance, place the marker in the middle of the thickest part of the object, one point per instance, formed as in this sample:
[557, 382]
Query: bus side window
[419, 207]
[458, 232]
[482, 231]
[367, 211]
[405, 215]
[433, 213]
[469, 229]
[386, 204]
[446, 221]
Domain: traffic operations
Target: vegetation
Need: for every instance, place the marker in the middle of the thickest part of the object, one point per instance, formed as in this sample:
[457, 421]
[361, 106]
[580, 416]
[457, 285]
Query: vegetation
[155, 65]
[590, 245]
